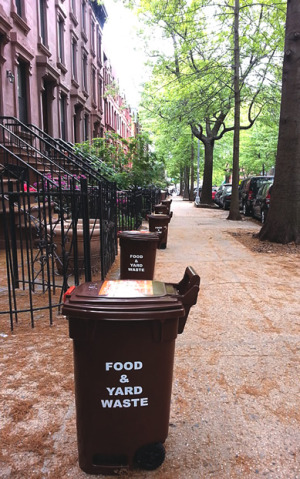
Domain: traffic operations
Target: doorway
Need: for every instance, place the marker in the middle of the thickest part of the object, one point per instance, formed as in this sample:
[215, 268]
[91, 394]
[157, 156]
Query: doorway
[47, 101]
[23, 92]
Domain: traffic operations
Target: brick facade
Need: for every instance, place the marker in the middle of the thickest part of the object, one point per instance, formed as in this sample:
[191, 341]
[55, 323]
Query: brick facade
[53, 71]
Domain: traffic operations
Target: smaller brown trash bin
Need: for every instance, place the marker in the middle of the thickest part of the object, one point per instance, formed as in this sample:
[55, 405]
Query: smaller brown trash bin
[124, 336]
[137, 254]
[161, 209]
[168, 204]
[159, 224]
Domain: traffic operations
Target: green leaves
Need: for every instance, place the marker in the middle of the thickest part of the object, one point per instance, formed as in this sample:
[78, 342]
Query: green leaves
[130, 162]
[191, 51]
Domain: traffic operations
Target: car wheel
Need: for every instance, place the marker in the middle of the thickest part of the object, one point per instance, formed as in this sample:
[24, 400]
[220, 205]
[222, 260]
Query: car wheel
[246, 210]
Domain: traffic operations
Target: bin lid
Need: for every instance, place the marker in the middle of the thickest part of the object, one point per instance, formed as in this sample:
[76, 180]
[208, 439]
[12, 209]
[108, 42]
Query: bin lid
[143, 235]
[159, 216]
[123, 300]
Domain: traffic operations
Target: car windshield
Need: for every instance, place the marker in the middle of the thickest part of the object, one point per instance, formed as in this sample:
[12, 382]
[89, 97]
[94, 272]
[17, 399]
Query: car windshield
[265, 187]
[262, 181]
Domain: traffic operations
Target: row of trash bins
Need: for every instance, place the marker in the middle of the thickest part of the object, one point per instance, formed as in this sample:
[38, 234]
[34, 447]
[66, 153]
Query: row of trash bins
[138, 248]
[124, 334]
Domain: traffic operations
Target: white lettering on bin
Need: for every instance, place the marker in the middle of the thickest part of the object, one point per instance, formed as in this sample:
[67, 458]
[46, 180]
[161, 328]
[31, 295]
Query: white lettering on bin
[128, 366]
[126, 391]
[114, 403]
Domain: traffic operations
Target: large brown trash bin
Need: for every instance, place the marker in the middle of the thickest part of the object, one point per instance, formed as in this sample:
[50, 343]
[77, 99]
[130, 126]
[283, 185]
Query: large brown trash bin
[137, 254]
[159, 224]
[124, 336]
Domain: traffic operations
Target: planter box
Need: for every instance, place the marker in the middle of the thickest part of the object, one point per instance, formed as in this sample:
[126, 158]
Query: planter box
[69, 247]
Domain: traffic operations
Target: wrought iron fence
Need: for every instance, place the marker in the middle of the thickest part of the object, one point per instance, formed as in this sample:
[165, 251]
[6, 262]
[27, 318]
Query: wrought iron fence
[53, 234]
[58, 221]
[134, 205]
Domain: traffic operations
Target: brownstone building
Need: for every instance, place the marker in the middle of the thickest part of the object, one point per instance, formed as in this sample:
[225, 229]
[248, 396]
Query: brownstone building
[53, 71]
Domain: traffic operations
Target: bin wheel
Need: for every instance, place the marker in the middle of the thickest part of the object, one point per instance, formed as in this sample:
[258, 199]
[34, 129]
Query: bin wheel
[150, 457]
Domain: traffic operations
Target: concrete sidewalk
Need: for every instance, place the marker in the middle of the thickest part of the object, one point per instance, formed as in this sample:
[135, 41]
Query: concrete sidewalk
[235, 404]
[235, 408]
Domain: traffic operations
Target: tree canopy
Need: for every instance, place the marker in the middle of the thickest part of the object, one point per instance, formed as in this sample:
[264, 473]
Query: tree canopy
[192, 80]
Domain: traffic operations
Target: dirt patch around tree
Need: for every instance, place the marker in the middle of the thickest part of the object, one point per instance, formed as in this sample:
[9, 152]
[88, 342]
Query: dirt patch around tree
[235, 399]
[251, 241]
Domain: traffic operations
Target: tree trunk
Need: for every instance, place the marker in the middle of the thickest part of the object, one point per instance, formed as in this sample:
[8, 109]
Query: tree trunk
[283, 220]
[181, 183]
[186, 174]
[192, 169]
[234, 213]
[206, 197]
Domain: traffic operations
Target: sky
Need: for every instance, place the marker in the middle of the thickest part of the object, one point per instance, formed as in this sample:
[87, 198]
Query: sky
[124, 51]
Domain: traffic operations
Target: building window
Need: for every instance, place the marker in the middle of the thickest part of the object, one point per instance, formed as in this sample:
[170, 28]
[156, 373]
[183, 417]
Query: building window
[19, 7]
[74, 59]
[63, 117]
[18, 13]
[73, 6]
[100, 94]
[73, 11]
[43, 22]
[94, 84]
[93, 30]
[84, 72]
[61, 34]
[99, 48]
[83, 16]
[86, 127]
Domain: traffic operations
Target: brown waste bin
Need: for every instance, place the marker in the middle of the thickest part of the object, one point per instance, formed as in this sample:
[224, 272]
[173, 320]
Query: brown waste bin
[159, 224]
[124, 334]
[167, 203]
[161, 209]
[137, 254]
[163, 195]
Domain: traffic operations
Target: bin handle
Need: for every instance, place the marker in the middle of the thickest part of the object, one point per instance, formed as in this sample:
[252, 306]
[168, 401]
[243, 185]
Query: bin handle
[68, 293]
[190, 279]
[188, 289]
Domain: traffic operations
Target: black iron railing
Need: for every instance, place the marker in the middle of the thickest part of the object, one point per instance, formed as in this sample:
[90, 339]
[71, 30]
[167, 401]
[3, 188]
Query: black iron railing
[53, 234]
[59, 219]
[40, 145]
[134, 205]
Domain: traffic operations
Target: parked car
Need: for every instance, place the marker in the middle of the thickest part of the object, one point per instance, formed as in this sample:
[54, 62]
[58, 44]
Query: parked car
[219, 192]
[195, 192]
[225, 198]
[249, 191]
[213, 192]
[261, 203]
[241, 187]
